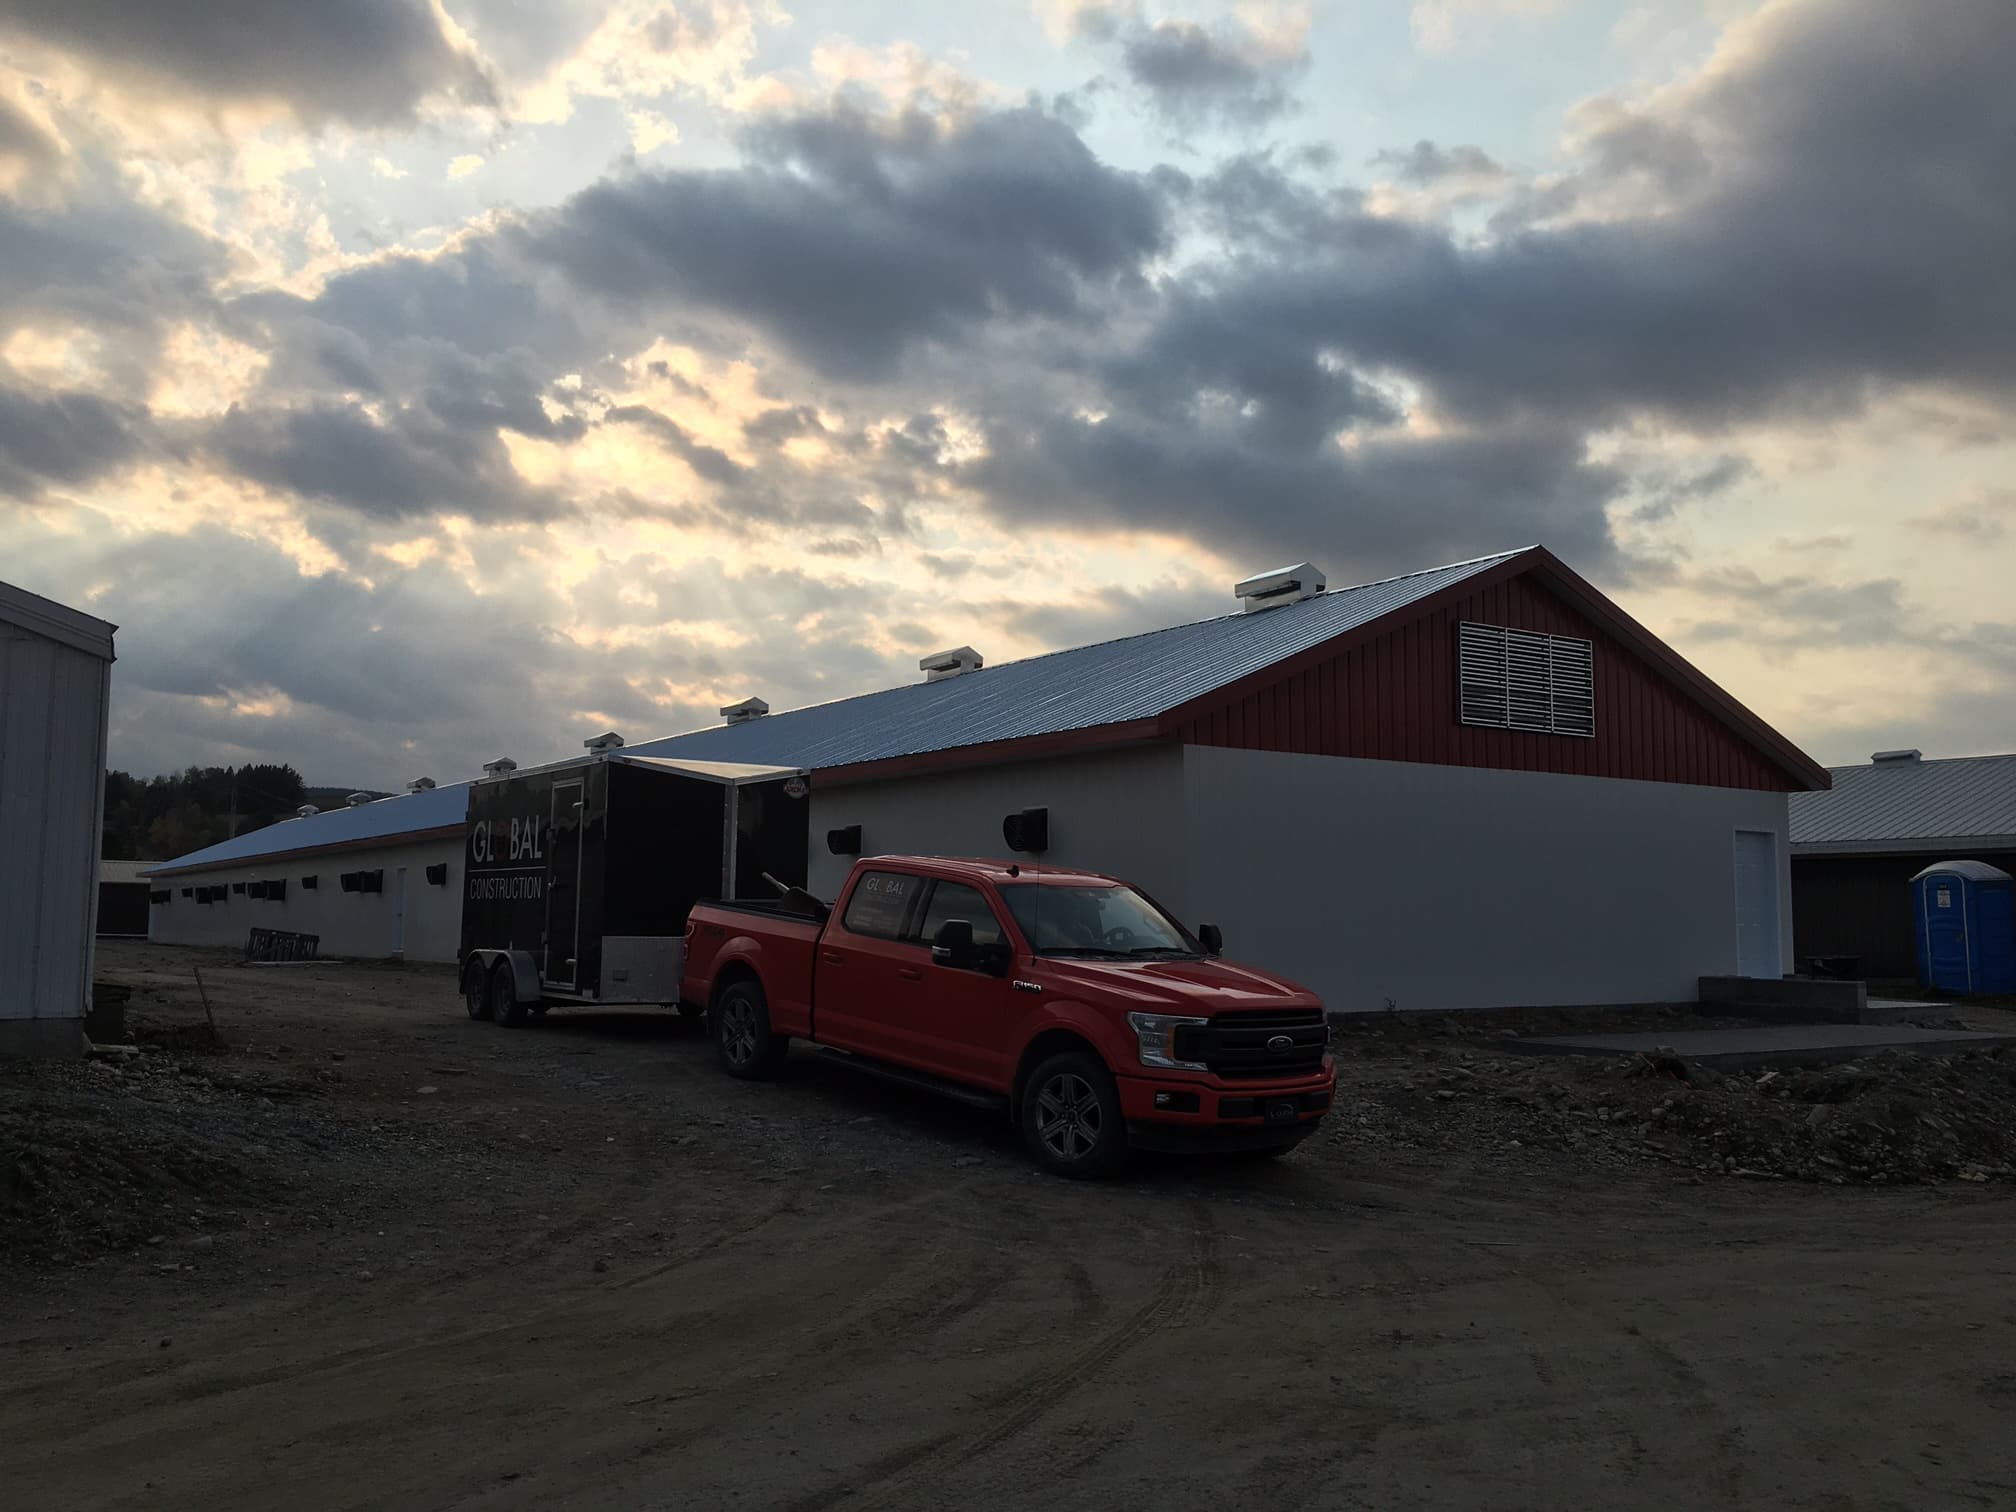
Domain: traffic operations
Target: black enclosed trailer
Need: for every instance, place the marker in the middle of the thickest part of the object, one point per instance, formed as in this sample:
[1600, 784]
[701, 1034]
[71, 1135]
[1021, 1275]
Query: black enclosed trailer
[579, 875]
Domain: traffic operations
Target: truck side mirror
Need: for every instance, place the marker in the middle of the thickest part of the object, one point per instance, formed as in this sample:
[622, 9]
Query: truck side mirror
[953, 945]
[1212, 938]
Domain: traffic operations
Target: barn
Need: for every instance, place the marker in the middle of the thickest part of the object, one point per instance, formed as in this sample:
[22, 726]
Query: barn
[55, 690]
[1857, 845]
[377, 879]
[1478, 785]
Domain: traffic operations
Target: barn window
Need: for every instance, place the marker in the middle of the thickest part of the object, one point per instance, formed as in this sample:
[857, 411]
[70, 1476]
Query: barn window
[160, 896]
[1524, 680]
[437, 874]
[308, 883]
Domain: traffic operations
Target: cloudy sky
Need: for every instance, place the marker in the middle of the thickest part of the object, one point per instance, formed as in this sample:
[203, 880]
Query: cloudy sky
[416, 381]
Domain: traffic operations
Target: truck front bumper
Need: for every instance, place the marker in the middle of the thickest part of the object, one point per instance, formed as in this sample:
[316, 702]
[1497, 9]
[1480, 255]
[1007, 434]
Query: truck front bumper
[1209, 1113]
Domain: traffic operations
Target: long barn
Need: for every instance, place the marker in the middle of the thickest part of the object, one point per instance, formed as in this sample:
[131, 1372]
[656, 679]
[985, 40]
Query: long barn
[1478, 785]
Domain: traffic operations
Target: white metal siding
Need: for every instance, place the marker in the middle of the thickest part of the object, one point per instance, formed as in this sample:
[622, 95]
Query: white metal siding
[1113, 812]
[1445, 887]
[52, 776]
[356, 924]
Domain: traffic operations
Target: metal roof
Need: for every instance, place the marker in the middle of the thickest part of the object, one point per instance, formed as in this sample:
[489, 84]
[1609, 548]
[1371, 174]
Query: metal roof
[1112, 682]
[54, 621]
[1960, 803]
[386, 819]
[1109, 683]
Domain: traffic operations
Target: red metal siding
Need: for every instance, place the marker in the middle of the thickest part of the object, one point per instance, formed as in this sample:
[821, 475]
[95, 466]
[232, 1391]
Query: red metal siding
[1394, 698]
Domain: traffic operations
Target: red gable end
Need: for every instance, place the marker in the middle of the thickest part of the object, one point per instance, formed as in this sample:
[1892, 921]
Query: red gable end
[1389, 693]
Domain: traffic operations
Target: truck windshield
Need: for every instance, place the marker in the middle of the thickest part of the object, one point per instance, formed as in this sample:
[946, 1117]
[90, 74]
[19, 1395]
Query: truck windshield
[1093, 921]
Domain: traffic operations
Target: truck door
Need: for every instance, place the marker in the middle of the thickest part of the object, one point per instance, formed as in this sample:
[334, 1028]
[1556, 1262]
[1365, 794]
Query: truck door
[961, 1020]
[868, 964]
[563, 886]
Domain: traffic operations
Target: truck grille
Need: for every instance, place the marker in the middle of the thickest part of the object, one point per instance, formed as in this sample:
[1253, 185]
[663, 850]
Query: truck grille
[1246, 1044]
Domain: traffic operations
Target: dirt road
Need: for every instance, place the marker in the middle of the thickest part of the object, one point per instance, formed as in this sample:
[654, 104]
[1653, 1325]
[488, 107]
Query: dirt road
[584, 1270]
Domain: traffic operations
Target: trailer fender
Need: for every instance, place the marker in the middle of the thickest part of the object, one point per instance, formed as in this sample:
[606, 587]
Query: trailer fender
[524, 974]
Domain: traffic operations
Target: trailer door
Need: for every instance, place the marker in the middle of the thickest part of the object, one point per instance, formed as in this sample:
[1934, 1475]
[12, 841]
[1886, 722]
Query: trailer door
[563, 887]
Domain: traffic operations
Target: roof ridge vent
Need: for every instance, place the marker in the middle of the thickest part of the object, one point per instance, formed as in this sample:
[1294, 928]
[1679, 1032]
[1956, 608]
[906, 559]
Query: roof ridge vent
[743, 712]
[940, 665]
[420, 785]
[1281, 585]
[500, 766]
[1896, 758]
[358, 800]
[306, 811]
[608, 740]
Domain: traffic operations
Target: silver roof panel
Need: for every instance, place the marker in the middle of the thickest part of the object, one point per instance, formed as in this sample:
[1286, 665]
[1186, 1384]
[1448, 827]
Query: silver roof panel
[1896, 806]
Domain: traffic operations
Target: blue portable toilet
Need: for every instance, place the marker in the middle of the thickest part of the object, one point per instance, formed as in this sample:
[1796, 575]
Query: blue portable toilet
[1966, 927]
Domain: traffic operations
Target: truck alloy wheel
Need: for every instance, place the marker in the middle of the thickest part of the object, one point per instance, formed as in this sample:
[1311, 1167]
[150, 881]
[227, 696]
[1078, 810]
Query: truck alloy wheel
[738, 1029]
[743, 1039]
[1071, 1117]
[1068, 1116]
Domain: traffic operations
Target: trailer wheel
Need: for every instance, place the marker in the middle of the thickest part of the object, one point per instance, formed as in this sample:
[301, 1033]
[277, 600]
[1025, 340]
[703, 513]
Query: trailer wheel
[476, 993]
[504, 1005]
[744, 1042]
[1071, 1119]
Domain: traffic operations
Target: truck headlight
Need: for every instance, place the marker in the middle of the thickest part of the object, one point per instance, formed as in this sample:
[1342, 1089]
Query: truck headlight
[1156, 1033]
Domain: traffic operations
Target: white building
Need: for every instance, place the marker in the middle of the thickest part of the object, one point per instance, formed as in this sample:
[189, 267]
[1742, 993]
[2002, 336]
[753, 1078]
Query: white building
[55, 688]
[375, 880]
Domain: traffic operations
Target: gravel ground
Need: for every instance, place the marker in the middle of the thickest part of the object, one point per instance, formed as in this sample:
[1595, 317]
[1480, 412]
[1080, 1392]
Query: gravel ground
[371, 1254]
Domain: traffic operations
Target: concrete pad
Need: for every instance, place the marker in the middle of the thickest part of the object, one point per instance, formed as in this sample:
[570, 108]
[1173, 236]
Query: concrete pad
[1768, 1045]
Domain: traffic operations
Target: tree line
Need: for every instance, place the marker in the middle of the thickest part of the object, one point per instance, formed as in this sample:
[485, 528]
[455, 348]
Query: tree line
[160, 818]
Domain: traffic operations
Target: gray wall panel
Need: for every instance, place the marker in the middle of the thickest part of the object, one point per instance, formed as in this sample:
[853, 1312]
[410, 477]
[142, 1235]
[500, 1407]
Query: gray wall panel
[1115, 812]
[1445, 887]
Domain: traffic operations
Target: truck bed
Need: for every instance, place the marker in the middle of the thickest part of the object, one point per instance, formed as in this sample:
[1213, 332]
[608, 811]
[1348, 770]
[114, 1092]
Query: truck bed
[770, 908]
[776, 938]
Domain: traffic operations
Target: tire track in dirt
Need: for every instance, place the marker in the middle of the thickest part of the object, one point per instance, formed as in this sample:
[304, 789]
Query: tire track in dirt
[785, 1204]
[1186, 1292]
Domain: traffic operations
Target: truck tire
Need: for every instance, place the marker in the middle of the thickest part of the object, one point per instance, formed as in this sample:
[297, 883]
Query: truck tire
[743, 1040]
[504, 1005]
[1071, 1119]
[476, 993]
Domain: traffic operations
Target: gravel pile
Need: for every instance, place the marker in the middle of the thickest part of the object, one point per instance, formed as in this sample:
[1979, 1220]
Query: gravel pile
[1881, 1119]
[154, 1150]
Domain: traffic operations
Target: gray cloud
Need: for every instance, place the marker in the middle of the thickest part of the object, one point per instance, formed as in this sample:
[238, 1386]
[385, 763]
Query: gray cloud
[1983, 516]
[1195, 75]
[1425, 164]
[1664, 491]
[1393, 503]
[848, 238]
[24, 142]
[1816, 257]
[408, 464]
[67, 438]
[370, 62]
[120, 270]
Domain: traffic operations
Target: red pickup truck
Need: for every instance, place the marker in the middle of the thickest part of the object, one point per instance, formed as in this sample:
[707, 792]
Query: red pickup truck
[1098, 1021]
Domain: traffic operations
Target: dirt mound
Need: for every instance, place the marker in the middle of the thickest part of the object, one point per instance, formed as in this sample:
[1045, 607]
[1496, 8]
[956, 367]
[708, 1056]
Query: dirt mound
[103, 1155]
[1881, 1119]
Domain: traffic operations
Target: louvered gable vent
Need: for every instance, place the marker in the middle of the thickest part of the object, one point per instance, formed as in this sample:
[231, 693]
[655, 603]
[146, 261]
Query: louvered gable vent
[1523, 680]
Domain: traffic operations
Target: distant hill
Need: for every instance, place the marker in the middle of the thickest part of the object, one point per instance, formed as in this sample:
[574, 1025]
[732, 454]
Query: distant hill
[160, 818]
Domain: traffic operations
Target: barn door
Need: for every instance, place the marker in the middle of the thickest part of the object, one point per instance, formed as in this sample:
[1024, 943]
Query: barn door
[1757, 936]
